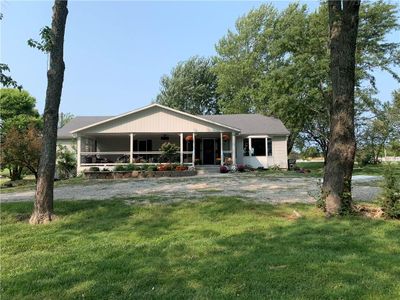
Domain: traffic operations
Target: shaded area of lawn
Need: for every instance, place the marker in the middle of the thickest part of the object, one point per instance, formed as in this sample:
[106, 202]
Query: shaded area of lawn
[218, 248]
[28, 183]
[378, 169]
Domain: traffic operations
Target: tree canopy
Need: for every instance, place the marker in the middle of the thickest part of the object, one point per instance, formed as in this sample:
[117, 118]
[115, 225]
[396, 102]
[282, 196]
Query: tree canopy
[191, 87]
[20, 127]
[17, 109]
[277, 63]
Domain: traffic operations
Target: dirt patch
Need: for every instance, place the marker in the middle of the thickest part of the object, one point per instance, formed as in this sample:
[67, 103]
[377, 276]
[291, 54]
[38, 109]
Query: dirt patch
[369, 211]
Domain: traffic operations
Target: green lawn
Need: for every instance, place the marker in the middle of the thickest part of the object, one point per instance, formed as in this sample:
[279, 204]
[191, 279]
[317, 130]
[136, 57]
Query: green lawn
[379, 169]
[216, 248]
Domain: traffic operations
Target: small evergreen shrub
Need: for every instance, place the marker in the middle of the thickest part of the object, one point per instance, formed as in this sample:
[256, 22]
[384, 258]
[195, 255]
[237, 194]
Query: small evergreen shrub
[391, 193]
[94, 169]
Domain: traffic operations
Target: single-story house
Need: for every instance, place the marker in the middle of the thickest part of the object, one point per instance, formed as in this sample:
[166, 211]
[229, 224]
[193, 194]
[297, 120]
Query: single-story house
[136, 137]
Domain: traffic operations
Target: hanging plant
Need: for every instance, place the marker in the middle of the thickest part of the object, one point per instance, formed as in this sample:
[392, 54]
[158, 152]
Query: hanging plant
[225, 137]
[189, 138]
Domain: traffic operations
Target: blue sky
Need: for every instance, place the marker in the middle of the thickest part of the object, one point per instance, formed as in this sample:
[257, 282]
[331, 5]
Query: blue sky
[116, 52]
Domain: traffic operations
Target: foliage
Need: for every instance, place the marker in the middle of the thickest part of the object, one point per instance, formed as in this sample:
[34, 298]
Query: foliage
[18, 114]
[45, 44]
[17, 109]
[391, 194]
[311, 151]
[64, 118]
[169, 152]
[197, 250]
[131, 167]
[94, 169]
[191, 87]
[241, 167]
[7, 80]
[66, 162]
[379, 130]
[223, 169]
[119, 168]
[277, 63]
[20, 148]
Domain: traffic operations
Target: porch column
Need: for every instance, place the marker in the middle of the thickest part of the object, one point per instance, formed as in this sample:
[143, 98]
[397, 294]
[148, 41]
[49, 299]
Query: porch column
[233, 148]
[222, 148]
[181, 151]
[131, 148]
[194, 149]
[250, 147]
[78, 148]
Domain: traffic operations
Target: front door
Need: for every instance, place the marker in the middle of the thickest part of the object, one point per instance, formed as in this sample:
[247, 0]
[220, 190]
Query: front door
[208, 152]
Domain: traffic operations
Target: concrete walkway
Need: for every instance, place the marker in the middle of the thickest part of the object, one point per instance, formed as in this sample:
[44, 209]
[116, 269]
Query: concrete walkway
[250, 186]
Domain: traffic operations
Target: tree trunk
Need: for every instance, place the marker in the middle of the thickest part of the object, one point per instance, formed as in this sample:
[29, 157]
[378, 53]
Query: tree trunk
[15, 173]
[43, 209]
[343, 24]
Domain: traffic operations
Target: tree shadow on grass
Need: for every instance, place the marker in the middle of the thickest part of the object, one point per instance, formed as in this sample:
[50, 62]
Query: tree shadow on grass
[212, 249]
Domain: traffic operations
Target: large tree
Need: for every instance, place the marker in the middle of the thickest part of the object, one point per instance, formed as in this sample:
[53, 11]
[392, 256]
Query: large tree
[277, 63]
[343, 25]
[43, 209]
[17, 114]
[191, 87]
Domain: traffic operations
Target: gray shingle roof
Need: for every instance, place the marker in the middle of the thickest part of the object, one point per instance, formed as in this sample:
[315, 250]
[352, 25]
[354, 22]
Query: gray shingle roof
[251, 123]
[247, 123]
[78, 122]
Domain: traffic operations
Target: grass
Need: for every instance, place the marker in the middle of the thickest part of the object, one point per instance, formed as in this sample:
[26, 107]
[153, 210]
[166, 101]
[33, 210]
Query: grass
[219, 248]
[317, 169]
[28, 183]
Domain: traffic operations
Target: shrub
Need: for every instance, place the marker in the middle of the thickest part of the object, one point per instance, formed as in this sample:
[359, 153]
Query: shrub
[105, 170]
[223, 169]
[181, 168]
[241, 168]
[119, 168]
[66, 162]
[391, 193]
[130, 167]
[94, 169]
[152, 168]
[169, 152]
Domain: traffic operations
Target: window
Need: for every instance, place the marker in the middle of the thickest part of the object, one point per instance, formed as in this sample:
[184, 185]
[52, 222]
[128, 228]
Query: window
[142, 145]
[258, 145]
[269, 146]
[246, 147]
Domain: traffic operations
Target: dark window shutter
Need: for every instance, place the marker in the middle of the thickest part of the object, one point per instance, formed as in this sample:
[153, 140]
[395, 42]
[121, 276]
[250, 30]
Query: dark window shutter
[149, 145]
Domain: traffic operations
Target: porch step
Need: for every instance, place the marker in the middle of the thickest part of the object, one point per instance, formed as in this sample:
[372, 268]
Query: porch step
[201, 170]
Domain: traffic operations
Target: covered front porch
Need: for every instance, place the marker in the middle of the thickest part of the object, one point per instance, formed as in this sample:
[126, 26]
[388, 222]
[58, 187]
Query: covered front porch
[195, 148]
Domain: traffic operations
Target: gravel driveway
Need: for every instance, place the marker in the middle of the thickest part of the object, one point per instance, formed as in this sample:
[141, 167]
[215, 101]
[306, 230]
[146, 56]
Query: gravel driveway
[258, 188]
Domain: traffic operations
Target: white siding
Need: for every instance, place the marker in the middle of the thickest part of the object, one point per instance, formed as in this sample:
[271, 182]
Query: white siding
[279, 152]
[152, 120]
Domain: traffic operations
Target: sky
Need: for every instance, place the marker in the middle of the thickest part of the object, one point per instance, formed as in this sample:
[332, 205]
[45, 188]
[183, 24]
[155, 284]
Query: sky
[116, 51]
